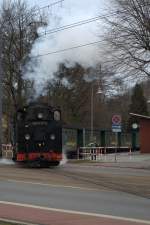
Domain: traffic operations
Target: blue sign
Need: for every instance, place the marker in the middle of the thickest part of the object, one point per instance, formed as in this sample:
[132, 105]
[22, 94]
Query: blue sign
[116, 128]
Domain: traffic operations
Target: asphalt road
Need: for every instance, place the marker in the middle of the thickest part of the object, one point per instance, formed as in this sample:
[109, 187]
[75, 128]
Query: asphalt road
[109, 168]
[46, 188]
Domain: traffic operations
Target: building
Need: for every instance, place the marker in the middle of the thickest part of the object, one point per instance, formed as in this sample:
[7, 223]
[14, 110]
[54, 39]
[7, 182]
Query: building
[144, 129]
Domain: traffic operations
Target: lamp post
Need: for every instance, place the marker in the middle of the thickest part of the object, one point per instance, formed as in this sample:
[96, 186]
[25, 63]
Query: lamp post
[92, 112]
[92, 109]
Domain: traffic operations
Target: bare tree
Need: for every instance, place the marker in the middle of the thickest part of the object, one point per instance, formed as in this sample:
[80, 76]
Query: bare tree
[129, 38]
[19, 32]
[19, 26]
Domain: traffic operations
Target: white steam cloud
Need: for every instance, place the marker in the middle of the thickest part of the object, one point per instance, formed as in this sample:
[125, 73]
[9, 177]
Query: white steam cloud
[70, 12]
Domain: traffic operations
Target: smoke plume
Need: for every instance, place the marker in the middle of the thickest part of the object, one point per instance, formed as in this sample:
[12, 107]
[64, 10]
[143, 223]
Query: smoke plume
[70, 12]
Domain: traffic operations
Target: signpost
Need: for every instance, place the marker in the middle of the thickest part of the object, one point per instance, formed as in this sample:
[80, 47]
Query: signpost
[116, 128]
[116, 123]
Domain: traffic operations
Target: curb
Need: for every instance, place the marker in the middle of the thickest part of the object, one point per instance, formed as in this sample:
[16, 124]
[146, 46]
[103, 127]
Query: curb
[16, 222]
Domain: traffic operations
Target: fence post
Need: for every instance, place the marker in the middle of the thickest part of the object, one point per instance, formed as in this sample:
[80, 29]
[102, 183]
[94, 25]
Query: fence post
[78, 151]
[130, 152]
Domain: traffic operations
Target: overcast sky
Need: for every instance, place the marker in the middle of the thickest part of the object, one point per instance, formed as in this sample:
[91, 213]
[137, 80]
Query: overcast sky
[70, 11]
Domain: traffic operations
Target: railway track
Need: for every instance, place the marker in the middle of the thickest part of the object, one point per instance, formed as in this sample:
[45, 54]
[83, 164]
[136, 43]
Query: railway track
[128, 184]
[137, 185]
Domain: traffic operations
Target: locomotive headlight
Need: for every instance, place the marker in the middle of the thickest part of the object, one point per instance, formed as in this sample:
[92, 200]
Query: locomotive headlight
[40, 115]
[52, 137]
[27, 137]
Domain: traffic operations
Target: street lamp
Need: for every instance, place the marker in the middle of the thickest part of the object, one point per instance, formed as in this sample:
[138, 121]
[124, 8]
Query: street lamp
[99, 91]
[92, 109]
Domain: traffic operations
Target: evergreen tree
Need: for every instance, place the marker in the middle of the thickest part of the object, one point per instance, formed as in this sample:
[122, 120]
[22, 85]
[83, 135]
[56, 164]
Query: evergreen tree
[138, 104]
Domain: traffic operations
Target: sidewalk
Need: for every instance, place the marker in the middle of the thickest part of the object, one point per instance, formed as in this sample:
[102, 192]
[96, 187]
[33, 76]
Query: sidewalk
[32, 215]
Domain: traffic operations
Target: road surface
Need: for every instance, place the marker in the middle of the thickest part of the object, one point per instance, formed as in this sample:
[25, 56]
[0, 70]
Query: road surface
[49, 197]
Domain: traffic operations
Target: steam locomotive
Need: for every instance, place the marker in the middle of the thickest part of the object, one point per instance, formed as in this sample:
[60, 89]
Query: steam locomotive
[38, 135]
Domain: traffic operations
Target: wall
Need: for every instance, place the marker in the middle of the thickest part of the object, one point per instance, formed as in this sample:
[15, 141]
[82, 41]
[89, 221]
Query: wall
[145, 135]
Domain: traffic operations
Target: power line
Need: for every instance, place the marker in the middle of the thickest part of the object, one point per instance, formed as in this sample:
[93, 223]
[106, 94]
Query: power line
[79, 23]
[47, 6]
[72, 25]
[52, 4]
[67, 49]
[68, 26]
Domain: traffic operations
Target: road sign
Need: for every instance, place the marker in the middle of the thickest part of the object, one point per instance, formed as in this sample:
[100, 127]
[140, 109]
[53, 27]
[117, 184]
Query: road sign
[116, 119]
[116, 123]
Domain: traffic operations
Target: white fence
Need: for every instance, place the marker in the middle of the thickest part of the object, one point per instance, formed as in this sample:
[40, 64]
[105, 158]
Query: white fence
[7, 151]
[98, 153]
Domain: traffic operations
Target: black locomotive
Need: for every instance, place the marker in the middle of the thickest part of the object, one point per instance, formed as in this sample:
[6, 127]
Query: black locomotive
[38, 135]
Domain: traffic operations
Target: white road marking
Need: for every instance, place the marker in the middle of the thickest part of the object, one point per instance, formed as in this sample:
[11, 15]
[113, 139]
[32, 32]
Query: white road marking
[77, 212]
[16, 221]
[56, 185]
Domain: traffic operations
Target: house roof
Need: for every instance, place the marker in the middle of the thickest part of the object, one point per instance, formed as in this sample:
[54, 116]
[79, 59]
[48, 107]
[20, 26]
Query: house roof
[140, 116]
